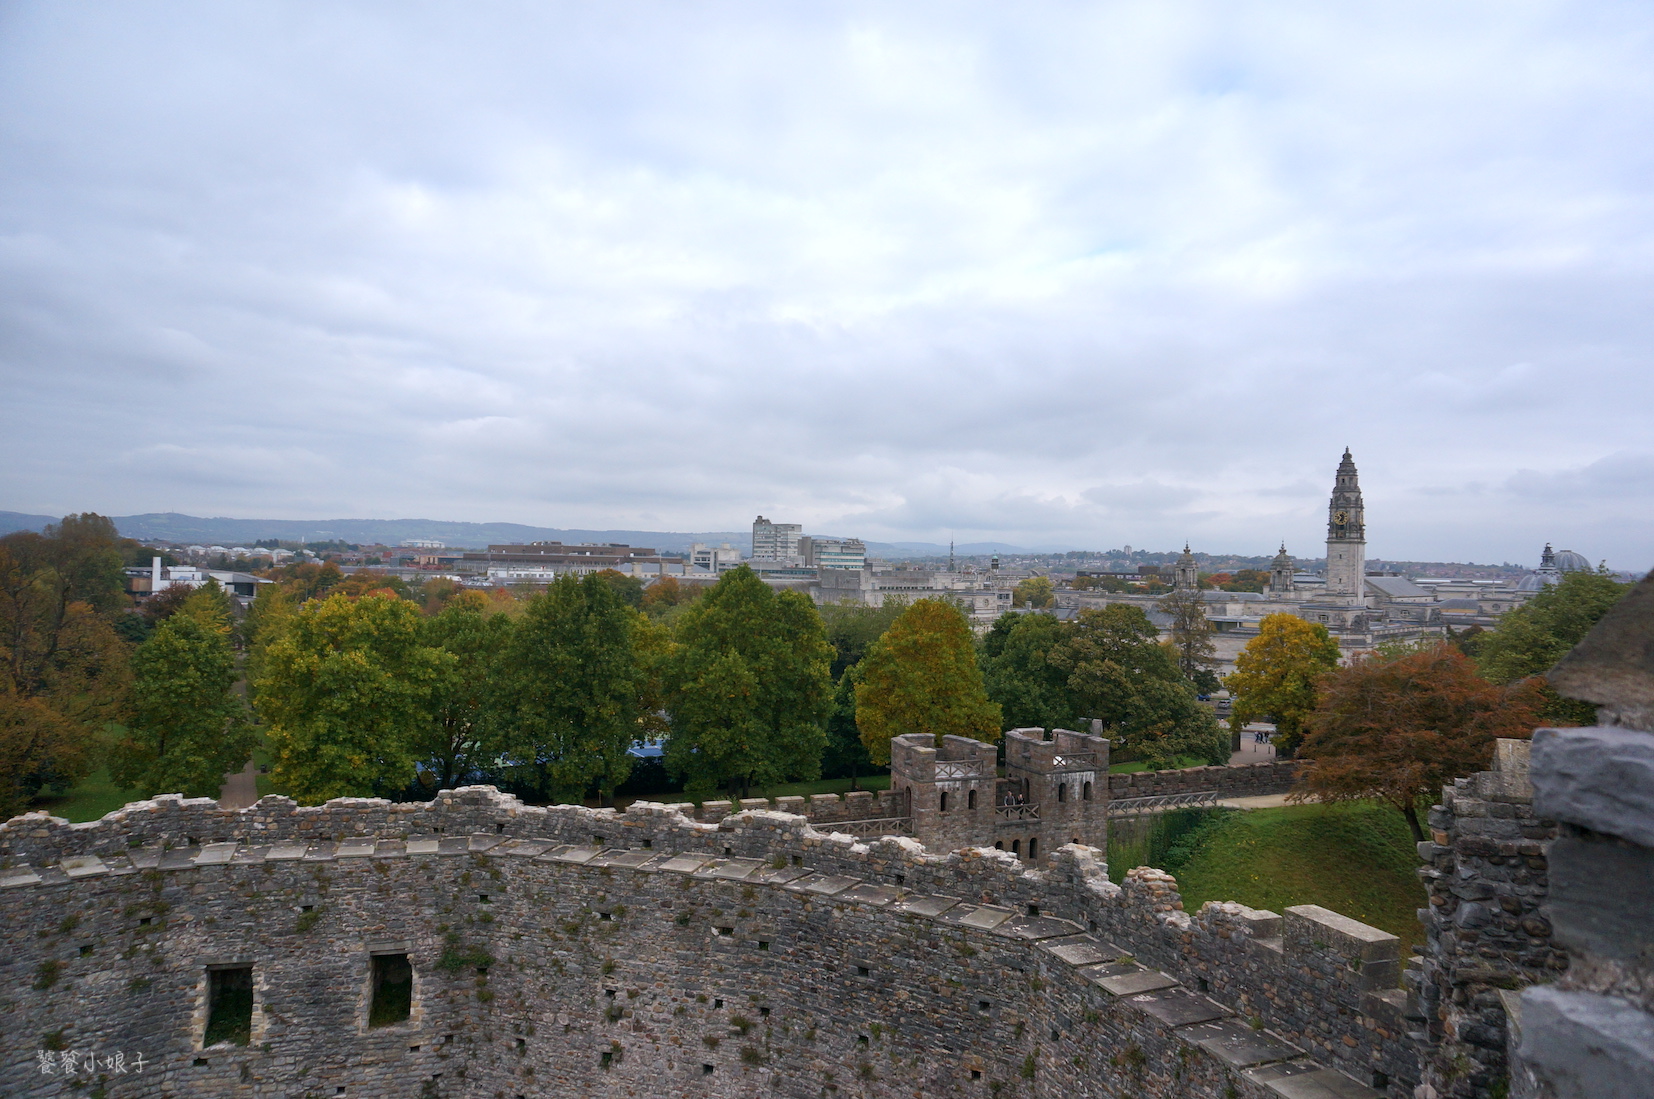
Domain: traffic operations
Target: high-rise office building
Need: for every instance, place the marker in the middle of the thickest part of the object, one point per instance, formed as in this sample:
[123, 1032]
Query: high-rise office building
[775, 541]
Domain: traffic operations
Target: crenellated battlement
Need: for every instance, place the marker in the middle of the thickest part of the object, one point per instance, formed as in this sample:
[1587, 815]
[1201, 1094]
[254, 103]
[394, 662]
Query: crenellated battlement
[1307, 985]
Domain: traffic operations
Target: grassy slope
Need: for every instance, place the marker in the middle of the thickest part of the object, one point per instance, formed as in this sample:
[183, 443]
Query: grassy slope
[1138, 765]
[88, 799]
[1357, 860]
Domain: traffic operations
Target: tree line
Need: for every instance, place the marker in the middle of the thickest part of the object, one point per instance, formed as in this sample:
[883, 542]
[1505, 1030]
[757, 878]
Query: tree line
[367, 685]
[1399, 723]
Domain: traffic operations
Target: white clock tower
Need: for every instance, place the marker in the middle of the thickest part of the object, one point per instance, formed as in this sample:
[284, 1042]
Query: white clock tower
[1346, 536]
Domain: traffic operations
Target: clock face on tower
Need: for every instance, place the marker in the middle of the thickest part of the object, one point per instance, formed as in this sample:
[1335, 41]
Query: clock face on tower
[1341, 517]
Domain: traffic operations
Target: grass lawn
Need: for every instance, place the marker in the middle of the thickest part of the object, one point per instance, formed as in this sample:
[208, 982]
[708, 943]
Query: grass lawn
[823, 786]
[1356, 859]
[1139, 765]
[88, 799]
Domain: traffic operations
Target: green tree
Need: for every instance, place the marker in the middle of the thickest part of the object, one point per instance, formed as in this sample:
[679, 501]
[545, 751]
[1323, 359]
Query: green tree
[1018, 674]
[88, 556]
[1398, 728]
[303, 581]
[1276, 674]
[342, 691]
[845, 754]
[1036, 591]
[749, 687]
[63, 669]
[921, 676]
[660, 597]
[1191, 637]
[1119, 673]
[853, 627]
[188, 727]
[1529, 640]
[461, 731]
[628, 588]
[573, 686]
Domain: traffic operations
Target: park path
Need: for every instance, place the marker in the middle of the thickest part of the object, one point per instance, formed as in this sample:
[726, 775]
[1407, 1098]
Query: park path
[240, 788]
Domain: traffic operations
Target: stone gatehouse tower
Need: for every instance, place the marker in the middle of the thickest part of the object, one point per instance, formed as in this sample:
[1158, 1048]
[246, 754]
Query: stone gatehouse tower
[1055, 791]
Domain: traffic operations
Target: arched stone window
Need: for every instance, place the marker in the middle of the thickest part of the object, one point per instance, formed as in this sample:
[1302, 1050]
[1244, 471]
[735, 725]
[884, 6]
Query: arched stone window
[943, 805]
[1033, 849]
[1085, 793]
[1062, 791]
[970, 799]
[1016, 848]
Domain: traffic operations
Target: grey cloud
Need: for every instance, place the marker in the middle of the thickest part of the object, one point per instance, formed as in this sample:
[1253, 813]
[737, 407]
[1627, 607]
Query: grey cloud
[1104, 275]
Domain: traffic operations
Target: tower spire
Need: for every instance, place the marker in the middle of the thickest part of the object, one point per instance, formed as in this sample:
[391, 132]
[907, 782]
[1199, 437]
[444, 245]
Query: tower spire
[1188, 575]
[1346, 534]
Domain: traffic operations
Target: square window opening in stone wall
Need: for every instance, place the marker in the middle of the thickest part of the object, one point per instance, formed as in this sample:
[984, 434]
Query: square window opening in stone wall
[706, 1070]
[229, 1005]
[392, 1000]
[976, 1074]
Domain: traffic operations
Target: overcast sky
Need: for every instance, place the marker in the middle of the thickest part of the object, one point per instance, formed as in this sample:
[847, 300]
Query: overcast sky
[1086, 274]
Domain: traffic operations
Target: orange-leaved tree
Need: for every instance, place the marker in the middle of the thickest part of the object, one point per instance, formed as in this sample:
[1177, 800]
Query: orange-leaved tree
[1398, 729]
[921, 676]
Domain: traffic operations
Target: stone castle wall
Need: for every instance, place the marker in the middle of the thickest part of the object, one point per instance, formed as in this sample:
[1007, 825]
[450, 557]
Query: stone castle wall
[543, 939]
[1487, 936]
[1236, 781]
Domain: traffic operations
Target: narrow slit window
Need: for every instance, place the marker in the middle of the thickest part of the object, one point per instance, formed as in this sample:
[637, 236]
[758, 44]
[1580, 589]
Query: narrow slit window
[1085, 792]
[1062, 791]
[1033, 849]
[943, 805]
[229, 1005]
[970, 799]
[392, 990]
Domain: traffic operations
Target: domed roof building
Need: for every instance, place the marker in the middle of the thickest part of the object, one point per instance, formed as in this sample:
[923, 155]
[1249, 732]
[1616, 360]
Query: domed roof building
[1551, 567]
[1569, 561]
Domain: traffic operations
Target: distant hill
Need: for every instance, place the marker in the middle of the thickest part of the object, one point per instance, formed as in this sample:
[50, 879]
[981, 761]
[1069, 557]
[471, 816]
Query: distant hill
[16, 520]
[187, 529]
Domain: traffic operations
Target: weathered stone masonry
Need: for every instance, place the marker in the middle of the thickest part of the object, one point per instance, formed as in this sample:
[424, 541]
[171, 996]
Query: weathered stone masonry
[1487, 936]
[569, 951]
